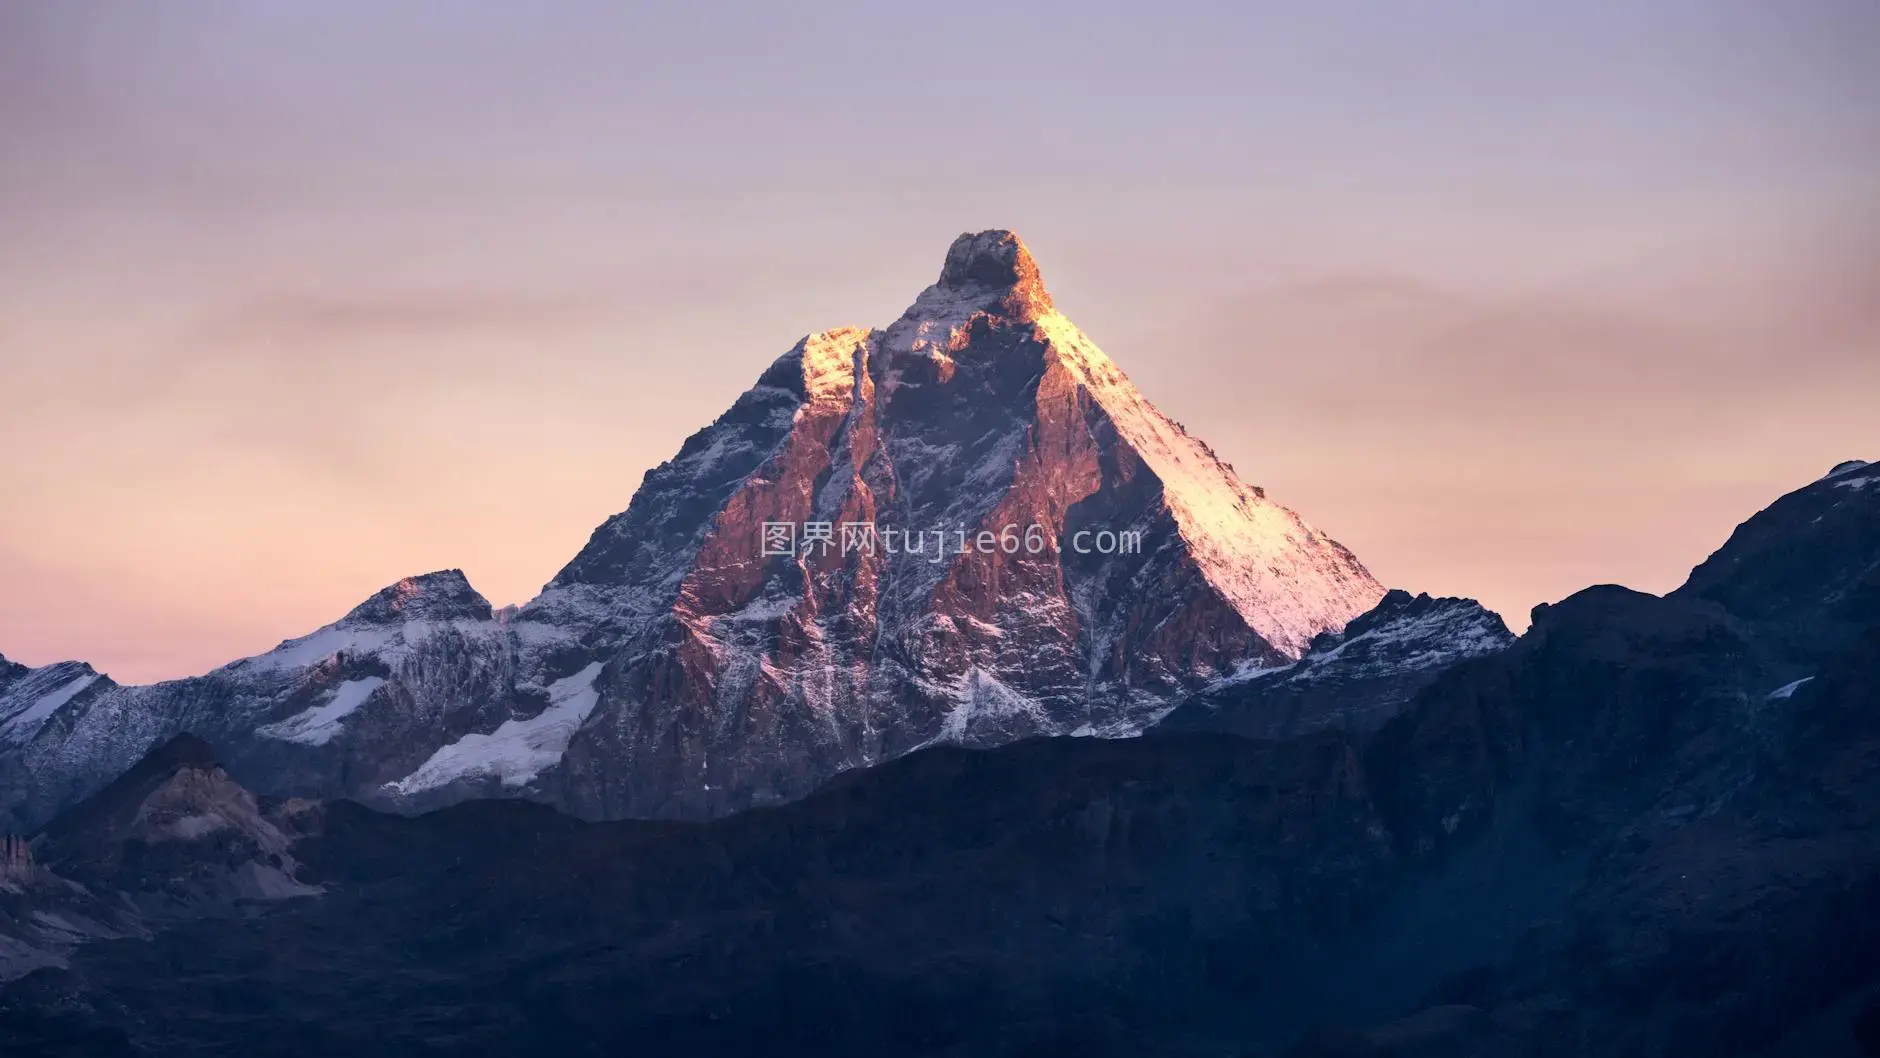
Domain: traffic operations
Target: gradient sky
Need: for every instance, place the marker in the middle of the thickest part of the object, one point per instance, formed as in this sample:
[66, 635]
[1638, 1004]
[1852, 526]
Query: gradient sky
[297, 299]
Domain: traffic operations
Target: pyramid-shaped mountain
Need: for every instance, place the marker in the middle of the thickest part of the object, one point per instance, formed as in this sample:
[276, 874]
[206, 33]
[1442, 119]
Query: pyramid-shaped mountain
[1004, 466]
[968, 526]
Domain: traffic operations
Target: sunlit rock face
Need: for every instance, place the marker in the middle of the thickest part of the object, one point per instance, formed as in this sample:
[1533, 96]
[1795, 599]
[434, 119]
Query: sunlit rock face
[1020, 544]
[980, 416]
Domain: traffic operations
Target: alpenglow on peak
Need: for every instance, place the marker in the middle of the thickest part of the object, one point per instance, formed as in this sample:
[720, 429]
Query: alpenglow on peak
[996, 261]
[683, 666]
[748, 677]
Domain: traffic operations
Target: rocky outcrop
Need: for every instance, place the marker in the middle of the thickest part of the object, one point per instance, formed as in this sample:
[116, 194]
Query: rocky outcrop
[1806, 569]
[1350, 680]
[175, 835]
[442, 596]
[10, 671]
[1712, 851]
[171, 840]
[16, 860]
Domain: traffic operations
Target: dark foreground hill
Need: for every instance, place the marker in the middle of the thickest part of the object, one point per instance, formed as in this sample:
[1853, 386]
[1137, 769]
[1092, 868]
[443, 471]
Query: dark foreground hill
[1649, 827]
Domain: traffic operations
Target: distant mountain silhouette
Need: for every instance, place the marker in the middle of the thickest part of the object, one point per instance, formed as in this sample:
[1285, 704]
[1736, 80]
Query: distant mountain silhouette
[1644, 828]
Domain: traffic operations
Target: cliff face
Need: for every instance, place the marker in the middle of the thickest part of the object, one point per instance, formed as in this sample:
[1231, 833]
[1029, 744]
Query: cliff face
[1046, 554]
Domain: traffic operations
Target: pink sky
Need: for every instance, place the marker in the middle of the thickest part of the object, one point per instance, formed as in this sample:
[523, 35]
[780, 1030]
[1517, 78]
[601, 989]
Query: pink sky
[295, 303]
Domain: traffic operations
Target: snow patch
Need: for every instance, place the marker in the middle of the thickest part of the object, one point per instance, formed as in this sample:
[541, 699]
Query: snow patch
[317, 725]
[1440, 637]
[323, 644]
[1787, 689]
[1249, 670]
[190, 828]
[829, 363]
[763, 610]
[23, 724]
[517, 751]
[1287, 580]
[982, 699]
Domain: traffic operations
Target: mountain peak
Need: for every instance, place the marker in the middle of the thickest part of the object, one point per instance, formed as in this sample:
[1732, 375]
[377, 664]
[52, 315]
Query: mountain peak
[996, 262]
[29, 697]
[1806, 568]
[1027, 546]
[436, 596]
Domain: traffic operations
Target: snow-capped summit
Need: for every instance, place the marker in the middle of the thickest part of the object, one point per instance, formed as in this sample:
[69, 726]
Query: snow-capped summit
[981, 414]
[440, 596]
[995, 265]
[362, 700]
[30, 697]
[1028, 546]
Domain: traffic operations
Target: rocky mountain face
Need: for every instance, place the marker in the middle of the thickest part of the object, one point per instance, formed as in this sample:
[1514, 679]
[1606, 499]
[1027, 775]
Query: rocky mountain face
[997, 443]
[1631, 832]
[1354, 679]
[990, 533]
[1805, 570]
[170, 840]
[339, 712]
[9, 672]
[1692, 855]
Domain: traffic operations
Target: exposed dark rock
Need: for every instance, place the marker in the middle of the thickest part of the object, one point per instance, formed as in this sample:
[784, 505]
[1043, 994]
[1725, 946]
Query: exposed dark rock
[996, 262]
[437, 596]
[1607, 839]
[170, 840]
[10, 671]
[1351, 680]
[1805, 570]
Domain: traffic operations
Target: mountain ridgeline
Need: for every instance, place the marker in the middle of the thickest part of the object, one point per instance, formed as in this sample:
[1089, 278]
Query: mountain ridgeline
[679, 667]
[1646, 827]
